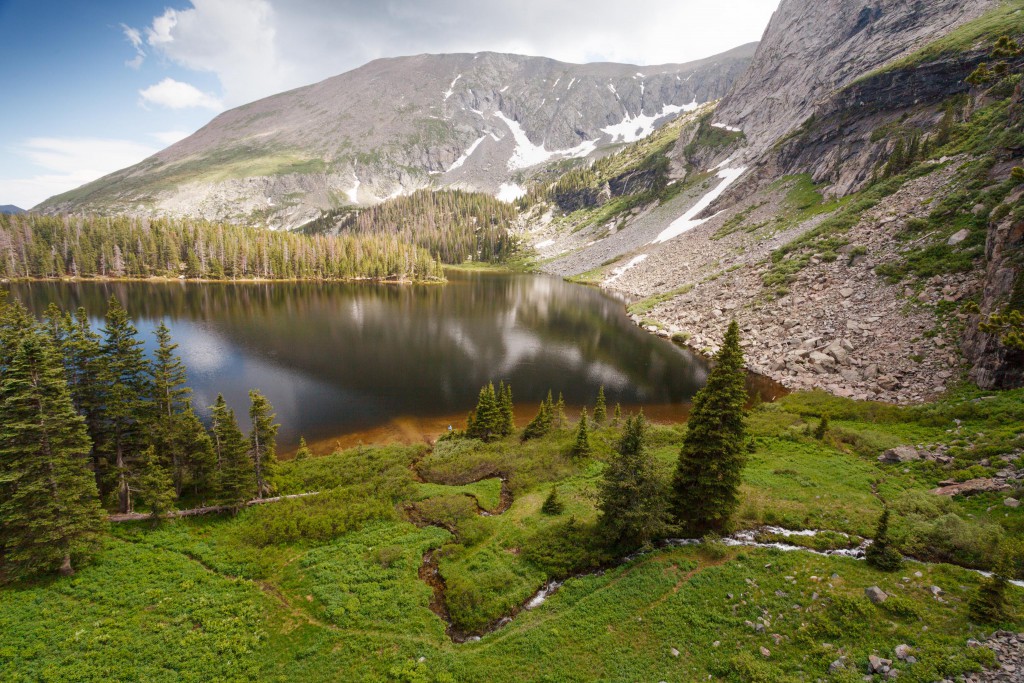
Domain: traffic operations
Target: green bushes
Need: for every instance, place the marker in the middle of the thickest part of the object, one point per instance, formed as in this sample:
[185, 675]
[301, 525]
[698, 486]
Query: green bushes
[313, 519]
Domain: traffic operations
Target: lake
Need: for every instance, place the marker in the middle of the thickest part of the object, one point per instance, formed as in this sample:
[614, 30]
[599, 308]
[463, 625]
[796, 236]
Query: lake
[350, 363]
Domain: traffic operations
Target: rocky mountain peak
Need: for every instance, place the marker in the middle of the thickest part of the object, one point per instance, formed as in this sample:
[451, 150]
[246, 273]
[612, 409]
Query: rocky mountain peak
[811, 48]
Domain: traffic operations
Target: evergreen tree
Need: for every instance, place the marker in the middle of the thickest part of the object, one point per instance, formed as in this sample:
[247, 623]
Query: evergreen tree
[632, 505]
[600, 409]
[303, 453]
[127, 390]
[707, 479]
[581, 449]
[85, 369]
[617, 415]
[988, 605]
[552, 505]
[153, 486]
[236, 481]
[541, 424]
[485, 421]
[198, 460]
[167, 376]
[49, 508]
[880, 554]
[822, 429]
[262, 443]
[559, 420]
[506, 410]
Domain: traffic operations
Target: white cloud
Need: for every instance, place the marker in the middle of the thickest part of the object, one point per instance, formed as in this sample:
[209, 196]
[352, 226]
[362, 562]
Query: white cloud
[177, 95]
[260, 47]
[66, 163]
[134, 37]
[169, 137]
[234, 39]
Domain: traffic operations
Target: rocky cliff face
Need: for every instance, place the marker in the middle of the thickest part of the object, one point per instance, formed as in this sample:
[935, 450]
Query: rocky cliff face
[813, 48]
[865, 297]
[474, 121]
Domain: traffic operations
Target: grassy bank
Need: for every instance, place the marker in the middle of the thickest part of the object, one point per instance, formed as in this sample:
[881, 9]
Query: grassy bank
[329, 586]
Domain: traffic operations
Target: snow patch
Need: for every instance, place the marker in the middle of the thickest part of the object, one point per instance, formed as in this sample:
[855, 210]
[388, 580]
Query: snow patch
[503, 89]
[633, 128]
[467, 154]
[527, 154]
[555, 85]
[570, 84]
[509, 192]
[731, 129]
[353, 193]
[621, 270]
[451, 88]
[687, 221]
[640, 75]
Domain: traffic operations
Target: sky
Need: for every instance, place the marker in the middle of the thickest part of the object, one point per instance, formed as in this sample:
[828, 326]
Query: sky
[91, 86]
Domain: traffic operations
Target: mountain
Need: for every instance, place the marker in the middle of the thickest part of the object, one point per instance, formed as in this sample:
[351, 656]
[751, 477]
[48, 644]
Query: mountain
[472, 121]
[811, 50]
[854, 202]
[11, 208]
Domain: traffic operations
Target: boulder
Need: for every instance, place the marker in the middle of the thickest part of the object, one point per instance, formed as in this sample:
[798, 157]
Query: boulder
[876, 595]
[971, 486]
[1011, 503]
[900, 454]
[877, 665]
[958, 237]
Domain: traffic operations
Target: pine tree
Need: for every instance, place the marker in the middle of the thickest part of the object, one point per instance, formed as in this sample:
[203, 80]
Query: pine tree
[85, 369]
[167, 376]
[303, 453]
[822, 429]
[707, 479]
[617, 415]
[198, 460]
[541, 424]
[988, 605]
[236, 481]
[632, 505]
[485, 422]
[49, 506]
[880, 554]
[581, 449]
[127, 390]
[559, 420]
[506, 410]
[600, 408]
[552, 505]
[153, 486]
[262, 443]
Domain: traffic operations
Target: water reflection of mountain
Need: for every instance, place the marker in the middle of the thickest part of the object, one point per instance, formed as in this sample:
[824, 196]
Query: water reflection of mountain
[372, 352]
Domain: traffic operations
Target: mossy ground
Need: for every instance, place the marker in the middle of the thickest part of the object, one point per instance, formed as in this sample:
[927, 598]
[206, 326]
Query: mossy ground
[329, 587]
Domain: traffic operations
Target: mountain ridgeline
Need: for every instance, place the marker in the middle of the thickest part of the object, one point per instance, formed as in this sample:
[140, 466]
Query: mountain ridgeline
[470, 121]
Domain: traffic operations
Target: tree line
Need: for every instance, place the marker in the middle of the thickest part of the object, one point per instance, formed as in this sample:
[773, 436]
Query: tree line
[88, 422]
[453, 225]
[37, 246]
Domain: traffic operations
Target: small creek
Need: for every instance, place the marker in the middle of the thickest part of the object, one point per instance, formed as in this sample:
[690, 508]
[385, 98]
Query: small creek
[430, 573]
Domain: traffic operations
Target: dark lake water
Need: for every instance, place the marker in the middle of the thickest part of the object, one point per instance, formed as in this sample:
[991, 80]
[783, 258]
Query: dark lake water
[348, 362]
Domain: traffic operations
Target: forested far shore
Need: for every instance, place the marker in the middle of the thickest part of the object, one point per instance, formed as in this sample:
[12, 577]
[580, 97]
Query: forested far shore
[34, 246]
[453, 225]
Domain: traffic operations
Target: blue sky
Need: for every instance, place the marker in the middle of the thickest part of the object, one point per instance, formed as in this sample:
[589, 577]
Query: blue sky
[91, 87]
